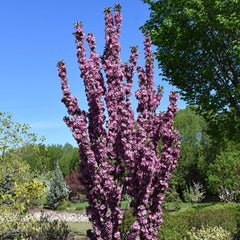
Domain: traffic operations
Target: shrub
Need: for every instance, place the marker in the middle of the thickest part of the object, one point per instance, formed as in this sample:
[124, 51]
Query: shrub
[18, 192]
[178, 225]
[73, 182]
[235, 210]
[58, 189]
[214, 216]
[82, 198]
[172, 196]
[209, 233]
[174, 227]
[49, 230]
[194, 194]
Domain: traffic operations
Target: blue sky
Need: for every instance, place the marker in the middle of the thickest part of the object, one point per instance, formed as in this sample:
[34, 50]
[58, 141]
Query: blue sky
[35, 35]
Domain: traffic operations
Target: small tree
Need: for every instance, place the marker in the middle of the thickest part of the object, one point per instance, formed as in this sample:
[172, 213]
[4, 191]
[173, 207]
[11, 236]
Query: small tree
[121, 155]
[74, 185]
[58, 189]
[19, 190]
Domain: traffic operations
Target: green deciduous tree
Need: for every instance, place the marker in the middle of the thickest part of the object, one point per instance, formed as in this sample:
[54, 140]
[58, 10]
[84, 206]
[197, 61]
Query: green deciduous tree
[14, 137]
[198, 51]
[70, 159]
[195, 148]
[225, 171]
[66, 155]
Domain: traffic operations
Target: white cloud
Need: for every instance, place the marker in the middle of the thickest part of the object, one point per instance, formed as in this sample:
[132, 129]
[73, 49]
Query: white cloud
[46, 125]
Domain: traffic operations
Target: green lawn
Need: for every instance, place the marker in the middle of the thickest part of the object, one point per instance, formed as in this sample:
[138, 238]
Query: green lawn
[170, 205]
[79, 229]
[82, 206]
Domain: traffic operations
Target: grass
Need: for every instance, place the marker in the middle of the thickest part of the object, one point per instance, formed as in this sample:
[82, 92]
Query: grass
[79, 229]
[125, 205]
[83, 205]
[170, 205]
[78, 206]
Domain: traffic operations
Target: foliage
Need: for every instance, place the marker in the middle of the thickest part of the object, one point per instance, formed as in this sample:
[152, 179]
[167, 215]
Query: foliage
[235, 210]
[69, 160]
[58, 189]
[179, 224]
[75, 187]
[214, 216]
[196, 148]
[35, 155]
[198, 52]
[173, 227]
[209, 233]
[172, 196]
[225, 195]
[195, 193]
[18, 192]
[67, 157]
[44, 228]
[224, 171]
[127, 222]
[14, 138]
[124, 144]
[19, 189]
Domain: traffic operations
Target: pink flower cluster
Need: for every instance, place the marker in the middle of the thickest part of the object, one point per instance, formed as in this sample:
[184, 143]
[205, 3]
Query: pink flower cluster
[147, 147]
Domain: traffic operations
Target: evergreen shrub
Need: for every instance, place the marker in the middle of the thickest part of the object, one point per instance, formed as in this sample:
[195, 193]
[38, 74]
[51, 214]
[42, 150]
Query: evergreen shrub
[58, 189]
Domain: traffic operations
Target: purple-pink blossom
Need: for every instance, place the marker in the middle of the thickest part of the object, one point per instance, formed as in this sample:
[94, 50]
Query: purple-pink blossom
[113, 141]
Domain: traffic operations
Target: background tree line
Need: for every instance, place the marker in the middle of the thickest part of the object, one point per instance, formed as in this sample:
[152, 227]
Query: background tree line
[203, 159]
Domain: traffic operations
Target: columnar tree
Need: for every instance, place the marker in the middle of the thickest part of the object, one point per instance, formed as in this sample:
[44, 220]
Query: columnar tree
[146, 148]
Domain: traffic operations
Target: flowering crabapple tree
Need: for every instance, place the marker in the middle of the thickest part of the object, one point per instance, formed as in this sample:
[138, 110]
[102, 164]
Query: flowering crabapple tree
[123, 155]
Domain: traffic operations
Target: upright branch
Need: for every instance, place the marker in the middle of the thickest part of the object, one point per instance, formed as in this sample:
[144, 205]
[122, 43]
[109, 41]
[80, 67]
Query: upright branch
[120, 155]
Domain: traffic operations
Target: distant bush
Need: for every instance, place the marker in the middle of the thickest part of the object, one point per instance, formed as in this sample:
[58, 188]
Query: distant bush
[75, 188]
[195, 193]
[172, 196]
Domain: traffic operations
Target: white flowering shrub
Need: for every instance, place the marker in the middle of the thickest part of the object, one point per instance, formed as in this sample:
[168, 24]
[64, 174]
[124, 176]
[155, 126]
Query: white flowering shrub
[209, 233]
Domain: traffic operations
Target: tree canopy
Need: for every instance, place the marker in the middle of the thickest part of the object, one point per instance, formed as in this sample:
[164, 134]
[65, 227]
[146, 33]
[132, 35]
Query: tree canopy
[198, 51]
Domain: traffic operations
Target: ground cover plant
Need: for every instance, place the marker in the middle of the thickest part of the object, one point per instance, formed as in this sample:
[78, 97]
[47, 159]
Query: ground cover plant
[123, 155]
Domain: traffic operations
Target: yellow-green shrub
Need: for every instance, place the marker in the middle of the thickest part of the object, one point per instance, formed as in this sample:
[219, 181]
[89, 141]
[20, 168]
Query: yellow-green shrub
[18, 191]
